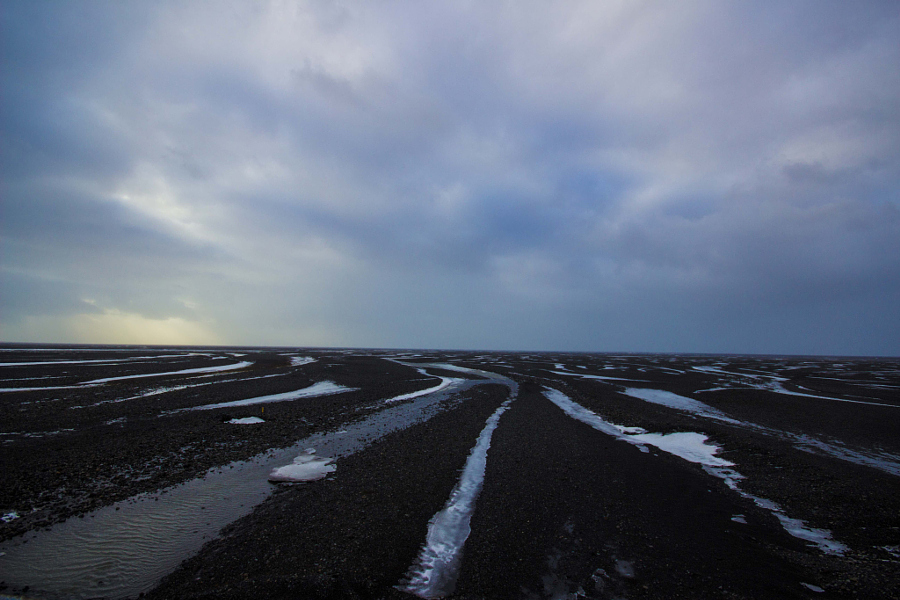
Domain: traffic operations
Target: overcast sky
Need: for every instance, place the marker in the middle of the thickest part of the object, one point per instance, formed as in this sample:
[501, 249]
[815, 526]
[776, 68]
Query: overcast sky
[682, 176]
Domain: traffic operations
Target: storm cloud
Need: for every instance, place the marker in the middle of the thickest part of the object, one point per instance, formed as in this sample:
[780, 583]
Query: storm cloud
[599, 176]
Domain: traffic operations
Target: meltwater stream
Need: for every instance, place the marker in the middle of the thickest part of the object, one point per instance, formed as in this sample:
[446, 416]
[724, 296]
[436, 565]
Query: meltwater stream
[124, 549]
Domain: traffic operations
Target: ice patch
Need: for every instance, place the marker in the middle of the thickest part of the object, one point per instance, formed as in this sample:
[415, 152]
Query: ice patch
[739, 519]
[306, 467]
[693, 447]
[580, 413]
[689, 445]
[434, 573]
[9, 517]
[246, 421]
[678, 402]
[232, 367]
[883, 461]
[322, 388]
[811, 587]
[108, 361]
[797, 528]
[780, 389]
[444, 384]
[600, 377]
[734, 373]
[299, 361]
[43, 389]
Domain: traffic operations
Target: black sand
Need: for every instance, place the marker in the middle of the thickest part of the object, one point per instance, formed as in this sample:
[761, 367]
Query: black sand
[565, 509]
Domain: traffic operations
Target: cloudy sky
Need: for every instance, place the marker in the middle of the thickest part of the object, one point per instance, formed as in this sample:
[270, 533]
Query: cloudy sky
[683, 176]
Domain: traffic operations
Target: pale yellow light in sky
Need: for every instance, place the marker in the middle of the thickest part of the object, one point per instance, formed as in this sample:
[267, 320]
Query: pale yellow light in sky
[111, 327]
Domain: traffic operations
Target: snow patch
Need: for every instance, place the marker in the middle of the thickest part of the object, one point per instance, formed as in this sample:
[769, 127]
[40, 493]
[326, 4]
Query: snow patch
[246, 421]
[9, 517]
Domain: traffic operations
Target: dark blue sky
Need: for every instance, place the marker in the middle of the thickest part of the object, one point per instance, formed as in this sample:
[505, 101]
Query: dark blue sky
[615, 176]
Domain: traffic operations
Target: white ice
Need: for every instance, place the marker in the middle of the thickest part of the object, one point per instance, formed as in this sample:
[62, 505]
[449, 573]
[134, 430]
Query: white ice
[434, 573]
[96, 360]
[246, 421]
[600, 377]
[883, 461]
[232, 367]
[688, 445]
[297, 361]
[693, 447]
[735, 373]
[175, 388]
[322, 388]
[775, 384]
[678, 402]
[306, 467]
[444, 384]
[47, 388]
[780, 389]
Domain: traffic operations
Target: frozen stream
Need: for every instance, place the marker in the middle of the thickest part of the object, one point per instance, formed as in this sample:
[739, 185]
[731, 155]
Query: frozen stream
[121, 550]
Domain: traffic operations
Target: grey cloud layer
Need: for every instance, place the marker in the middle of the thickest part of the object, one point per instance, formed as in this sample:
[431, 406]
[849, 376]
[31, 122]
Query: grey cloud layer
[616, 176]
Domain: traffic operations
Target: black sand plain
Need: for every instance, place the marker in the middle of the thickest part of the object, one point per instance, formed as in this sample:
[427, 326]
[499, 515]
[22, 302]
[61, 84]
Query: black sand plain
[565, 511]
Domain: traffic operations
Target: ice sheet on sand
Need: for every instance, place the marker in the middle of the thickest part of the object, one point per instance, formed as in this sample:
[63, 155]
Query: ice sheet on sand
[796, 527]
[232, 367]
[322, 388]
[94, 360]
[883, 461]
[444, 384]
[735, 373]
[693, 447]
[42, 389]
[678, 402]
[175, 388]
[306, 467]
[776, 387]
[246, 421]
[688, 445]
[600, 377]
[434, 573]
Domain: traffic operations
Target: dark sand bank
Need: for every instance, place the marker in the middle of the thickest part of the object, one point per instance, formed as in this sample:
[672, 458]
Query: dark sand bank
[565, 508]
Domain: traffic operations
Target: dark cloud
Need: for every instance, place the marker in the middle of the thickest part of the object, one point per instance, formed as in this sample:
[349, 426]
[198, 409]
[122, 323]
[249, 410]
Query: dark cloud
[706, 177]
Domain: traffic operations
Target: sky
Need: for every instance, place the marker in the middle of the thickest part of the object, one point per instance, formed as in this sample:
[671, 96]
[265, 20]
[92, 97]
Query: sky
[616, 176]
